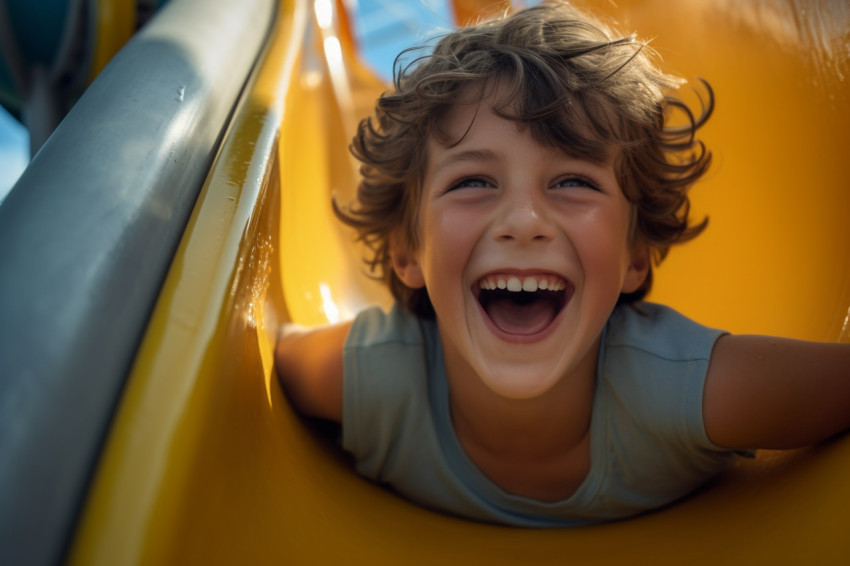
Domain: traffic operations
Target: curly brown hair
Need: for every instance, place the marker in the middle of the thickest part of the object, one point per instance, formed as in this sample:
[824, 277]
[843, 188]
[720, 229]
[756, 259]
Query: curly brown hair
[575, 84]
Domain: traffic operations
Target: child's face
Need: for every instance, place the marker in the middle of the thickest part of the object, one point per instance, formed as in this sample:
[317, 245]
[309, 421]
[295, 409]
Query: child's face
[500, 209]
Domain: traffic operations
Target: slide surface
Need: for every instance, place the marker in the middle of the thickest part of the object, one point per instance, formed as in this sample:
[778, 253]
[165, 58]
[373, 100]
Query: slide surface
[207, 464]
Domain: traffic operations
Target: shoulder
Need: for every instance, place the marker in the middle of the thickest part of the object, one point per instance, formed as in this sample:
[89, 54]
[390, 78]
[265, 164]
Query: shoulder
[387, 350]
[658, 331]
[653, 367]
[387, 364]
[375, 327]
[648, 411]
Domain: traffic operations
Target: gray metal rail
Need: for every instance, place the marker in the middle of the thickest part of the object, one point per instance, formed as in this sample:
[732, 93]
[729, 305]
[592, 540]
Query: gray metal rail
[86, 238]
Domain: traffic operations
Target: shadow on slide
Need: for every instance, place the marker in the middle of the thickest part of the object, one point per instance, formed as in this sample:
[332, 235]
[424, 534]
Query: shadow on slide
[205, 463]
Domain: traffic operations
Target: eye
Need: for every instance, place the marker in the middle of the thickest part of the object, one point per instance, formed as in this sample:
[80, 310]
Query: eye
[471, 183]
[577, 181]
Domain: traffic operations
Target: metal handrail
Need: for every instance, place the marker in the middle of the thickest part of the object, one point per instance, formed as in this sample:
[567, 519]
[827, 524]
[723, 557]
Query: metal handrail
[86, 238]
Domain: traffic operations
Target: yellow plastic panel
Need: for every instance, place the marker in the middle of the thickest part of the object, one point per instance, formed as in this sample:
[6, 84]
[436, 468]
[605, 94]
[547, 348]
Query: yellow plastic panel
[776, 256]
[468, 12]
[206, 463]
[114, 24]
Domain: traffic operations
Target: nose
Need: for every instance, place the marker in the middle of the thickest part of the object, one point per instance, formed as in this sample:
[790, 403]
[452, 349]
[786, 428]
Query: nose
[523, 218]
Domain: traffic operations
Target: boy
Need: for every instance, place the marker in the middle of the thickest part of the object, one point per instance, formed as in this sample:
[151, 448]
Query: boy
[517, 186]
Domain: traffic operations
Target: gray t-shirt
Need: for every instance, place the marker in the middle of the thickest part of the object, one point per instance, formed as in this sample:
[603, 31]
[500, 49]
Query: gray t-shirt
[648, 442]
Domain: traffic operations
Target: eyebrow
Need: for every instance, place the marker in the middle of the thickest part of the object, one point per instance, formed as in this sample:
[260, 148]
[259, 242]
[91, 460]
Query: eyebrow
[463, 156]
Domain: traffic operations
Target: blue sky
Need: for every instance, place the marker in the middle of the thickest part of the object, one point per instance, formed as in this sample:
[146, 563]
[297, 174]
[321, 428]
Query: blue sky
[385, 27]
[14, 151]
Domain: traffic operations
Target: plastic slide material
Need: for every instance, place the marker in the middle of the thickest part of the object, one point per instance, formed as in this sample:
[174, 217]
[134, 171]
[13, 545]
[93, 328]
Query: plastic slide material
[87, 235]
[206, 463]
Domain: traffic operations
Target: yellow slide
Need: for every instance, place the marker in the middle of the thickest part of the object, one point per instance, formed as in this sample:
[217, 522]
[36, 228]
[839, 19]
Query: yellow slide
[206, 462]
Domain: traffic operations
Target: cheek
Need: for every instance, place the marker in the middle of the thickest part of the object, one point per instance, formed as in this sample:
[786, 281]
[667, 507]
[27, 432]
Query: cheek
[443, 256]
[451, 237]
[606, 250]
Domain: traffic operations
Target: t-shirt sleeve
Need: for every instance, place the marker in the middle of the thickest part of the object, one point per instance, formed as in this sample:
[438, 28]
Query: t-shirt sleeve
[384, 379]
[667, 356]
[654, 373]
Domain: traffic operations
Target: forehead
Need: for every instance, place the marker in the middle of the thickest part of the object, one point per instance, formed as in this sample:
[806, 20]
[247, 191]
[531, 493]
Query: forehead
[564, 125]
[472, 101]
[474, 128]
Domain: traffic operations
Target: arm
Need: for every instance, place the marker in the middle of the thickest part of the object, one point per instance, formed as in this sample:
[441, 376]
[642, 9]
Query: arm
[310, 367]
[776, 393]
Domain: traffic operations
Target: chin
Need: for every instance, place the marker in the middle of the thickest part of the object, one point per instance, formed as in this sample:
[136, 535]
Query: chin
[515, 385]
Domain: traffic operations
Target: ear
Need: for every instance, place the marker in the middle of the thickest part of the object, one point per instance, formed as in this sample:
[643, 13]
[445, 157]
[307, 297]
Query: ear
[638, 267]
[406, 264]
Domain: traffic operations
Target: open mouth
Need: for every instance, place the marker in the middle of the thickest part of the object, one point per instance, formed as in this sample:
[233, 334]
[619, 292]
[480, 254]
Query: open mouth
[523, 305]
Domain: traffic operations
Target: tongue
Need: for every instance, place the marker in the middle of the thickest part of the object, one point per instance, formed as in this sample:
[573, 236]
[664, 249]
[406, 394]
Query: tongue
[525, 319]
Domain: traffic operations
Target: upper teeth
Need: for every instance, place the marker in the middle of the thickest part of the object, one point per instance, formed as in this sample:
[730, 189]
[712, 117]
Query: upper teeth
[529, 283]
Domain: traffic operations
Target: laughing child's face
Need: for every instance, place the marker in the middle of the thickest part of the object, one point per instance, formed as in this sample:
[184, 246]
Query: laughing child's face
[524, 251]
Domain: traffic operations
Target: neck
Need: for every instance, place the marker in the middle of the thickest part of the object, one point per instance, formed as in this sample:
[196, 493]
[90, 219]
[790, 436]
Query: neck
[548, 425]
